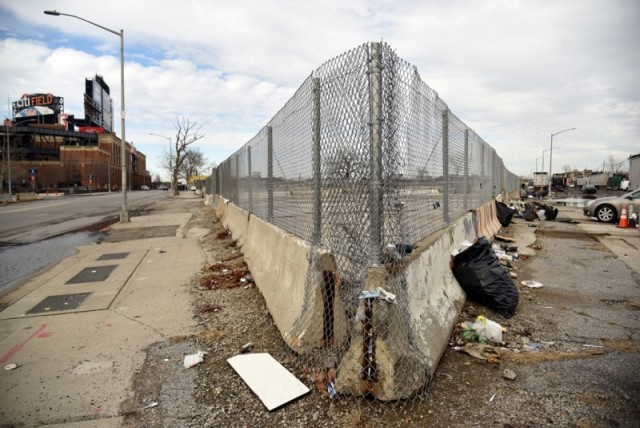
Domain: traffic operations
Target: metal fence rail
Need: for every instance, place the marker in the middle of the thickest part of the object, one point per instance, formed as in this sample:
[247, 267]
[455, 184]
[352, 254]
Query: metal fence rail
[363, 156]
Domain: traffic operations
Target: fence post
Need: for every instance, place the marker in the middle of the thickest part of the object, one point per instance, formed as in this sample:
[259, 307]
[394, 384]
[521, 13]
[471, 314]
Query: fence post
[466, 169]
[249, 183]
[218, 171]
[316, 237]
[270, 174]
[482, 172]
[375, 129]
[237, 189]
[445, 166]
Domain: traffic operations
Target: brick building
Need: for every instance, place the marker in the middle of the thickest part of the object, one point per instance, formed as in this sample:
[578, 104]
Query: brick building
[45, 149]
[45, 157]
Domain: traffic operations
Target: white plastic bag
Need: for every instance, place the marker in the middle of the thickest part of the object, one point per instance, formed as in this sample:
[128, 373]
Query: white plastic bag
[193, 359]
[487, 329]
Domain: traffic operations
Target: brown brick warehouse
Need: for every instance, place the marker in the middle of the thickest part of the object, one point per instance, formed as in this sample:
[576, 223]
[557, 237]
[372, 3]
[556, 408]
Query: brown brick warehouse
[65, 160]
[46, 150]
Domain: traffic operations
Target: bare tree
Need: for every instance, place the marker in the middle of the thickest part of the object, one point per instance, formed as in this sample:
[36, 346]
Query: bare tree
[567, 168]
[187, 133]
[194, 162]
[346, 163]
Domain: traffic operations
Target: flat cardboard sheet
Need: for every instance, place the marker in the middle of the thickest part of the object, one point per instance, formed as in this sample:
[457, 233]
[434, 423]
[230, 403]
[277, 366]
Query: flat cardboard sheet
[268, 379]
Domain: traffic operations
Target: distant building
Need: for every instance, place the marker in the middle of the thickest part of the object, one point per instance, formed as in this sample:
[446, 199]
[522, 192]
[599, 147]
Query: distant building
[51, 150]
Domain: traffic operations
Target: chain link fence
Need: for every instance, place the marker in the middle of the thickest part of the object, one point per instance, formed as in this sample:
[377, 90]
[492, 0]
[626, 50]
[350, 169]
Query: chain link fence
[364, 161]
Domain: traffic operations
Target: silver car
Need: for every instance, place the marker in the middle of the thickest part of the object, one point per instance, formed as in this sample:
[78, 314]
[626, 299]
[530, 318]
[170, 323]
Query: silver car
[609, 209]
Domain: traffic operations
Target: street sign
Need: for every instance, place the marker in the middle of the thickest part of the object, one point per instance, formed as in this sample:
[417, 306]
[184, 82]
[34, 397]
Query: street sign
[33, 171]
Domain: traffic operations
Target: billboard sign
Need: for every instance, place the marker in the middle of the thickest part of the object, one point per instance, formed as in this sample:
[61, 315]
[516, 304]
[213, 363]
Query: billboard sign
[97, 103]
[38, 105]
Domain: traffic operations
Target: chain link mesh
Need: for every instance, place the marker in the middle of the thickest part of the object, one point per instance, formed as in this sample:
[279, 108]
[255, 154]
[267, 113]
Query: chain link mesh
[364, 161]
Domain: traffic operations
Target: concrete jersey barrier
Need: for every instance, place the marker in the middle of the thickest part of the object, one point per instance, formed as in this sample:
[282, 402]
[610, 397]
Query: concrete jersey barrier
[292, 277]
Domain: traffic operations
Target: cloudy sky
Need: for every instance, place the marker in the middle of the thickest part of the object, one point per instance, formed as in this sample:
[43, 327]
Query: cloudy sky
[514, 71]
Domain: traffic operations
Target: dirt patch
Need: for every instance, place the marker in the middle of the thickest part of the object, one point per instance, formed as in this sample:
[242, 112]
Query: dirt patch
[466, 391]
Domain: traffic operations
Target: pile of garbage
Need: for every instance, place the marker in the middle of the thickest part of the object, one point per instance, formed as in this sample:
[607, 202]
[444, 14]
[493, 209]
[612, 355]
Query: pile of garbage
[479, 271]
[537, 211]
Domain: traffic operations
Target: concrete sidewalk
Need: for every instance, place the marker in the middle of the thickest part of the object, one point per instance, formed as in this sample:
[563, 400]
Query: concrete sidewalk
[78, 332]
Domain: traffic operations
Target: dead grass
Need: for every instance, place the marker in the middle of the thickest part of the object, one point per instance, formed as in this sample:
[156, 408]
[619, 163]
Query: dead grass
[533, 357]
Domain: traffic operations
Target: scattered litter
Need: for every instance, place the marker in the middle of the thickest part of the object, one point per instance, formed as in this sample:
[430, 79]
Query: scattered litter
[11, 366]
[480, 351]
[493, 397]
[592, 346]
[193, 359]
[378, 293]
[493, 359]
[533, 346]
[488, 329]
[268, 379]
[509, 374]
[150, 405]
[246, 347]
[504, 238]
[331, 389]
[162, 251]
[531, 284]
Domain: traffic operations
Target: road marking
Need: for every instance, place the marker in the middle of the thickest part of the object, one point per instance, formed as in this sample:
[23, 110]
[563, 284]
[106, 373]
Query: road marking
[17, 348]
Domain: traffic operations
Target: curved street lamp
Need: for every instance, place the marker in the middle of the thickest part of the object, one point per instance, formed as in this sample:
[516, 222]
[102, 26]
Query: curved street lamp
[551, 154]
[124, 213]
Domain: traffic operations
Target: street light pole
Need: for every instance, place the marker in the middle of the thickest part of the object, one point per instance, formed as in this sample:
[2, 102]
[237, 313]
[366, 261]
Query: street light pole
[6, 128]
[124, 213]
[551, 154]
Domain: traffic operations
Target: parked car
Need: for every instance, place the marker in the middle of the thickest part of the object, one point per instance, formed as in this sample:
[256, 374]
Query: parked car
[144, 187]
[163, 187]
[609, 209]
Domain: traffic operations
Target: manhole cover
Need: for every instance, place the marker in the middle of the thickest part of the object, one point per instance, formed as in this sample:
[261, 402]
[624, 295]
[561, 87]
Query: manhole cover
[92, 274]
[64, 302]
[113, 256]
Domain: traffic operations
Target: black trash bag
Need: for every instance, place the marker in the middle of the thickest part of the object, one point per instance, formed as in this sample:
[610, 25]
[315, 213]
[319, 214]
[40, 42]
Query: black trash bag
[550, 213]
[504, 213]
[484, 280]
[530, 213]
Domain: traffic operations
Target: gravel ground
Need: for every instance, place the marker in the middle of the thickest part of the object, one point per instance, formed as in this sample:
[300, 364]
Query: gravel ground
[586, 372]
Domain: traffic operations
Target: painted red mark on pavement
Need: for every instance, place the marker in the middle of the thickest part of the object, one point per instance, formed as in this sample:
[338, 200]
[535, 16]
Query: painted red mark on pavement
[109, 324]
[45, 335]
[97, 410]
[17, 348]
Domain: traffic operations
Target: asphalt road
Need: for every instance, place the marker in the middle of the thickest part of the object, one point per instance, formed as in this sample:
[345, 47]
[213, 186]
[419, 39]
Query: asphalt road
[28, 222]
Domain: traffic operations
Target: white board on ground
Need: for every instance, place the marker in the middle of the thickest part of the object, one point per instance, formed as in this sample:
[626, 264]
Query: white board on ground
[268, 379]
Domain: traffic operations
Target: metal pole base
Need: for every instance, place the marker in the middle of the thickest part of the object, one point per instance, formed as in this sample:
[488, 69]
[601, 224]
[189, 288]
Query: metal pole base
[124, 216]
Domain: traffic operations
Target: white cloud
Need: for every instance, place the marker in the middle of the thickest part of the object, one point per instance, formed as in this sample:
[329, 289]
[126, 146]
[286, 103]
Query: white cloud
[515, 71]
